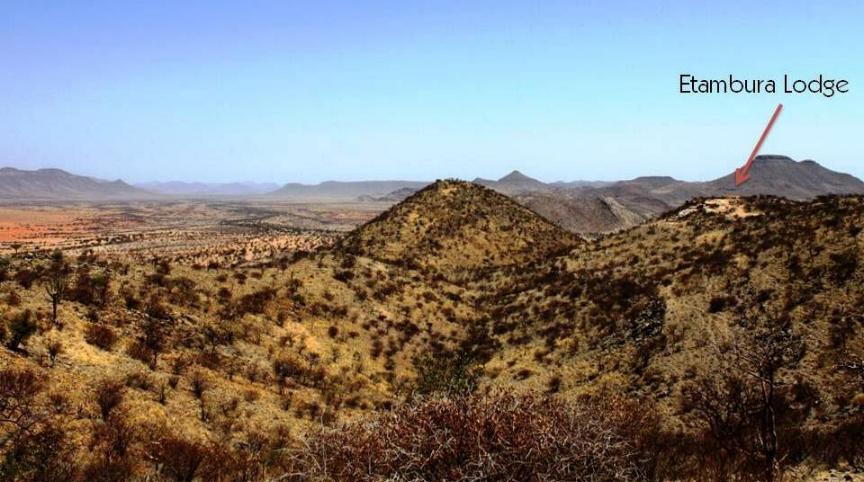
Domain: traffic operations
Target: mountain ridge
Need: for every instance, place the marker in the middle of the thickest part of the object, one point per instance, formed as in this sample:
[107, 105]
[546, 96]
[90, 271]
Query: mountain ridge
[182, 188]
[647, 196]
[57, 184]
[342, 190]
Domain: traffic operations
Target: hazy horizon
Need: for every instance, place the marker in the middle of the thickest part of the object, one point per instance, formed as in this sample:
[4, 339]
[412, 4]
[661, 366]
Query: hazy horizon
[268, 91]
[430, 180]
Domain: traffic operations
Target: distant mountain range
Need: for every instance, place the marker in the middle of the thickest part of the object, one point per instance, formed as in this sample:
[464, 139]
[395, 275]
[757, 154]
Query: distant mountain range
[343, 191]
[56, 184]
[579, 206]
[179, 188]
[627, 203]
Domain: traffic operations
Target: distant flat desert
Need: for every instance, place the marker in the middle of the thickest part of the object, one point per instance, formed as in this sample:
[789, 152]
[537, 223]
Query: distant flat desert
[188, 232]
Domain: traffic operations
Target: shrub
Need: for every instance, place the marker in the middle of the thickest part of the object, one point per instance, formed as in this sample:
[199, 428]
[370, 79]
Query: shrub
[55, 348]
[40, 454]
[26, 277]
[182, 460]
[199, 384]
[290, 367]
[110, 448]
[109, 394]
[20, 327]
[843, 266]
[33, 447]
[89, 288]
[719, 303]
[501, 437]
[150, 342]
[140, 352]
[100, 336]
[452, 373]
[14, 299]
[252, 303]
[18, 389]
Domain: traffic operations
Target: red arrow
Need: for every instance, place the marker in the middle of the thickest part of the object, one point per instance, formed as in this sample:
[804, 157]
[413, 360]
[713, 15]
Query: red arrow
[742, 174]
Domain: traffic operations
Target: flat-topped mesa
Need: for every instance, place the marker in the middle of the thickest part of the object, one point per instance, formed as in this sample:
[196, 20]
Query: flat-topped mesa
[455, 225]
[773, 158]
[653, 181]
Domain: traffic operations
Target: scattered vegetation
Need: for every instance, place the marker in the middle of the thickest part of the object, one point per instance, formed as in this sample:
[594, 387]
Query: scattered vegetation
[456, 337]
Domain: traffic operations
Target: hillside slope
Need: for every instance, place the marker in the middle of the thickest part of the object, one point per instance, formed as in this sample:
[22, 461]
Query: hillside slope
[455, 225]
[581, 214]
[649, 311]
[456, 288]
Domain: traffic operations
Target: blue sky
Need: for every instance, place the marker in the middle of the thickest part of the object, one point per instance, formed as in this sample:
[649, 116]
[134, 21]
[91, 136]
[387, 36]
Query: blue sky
[308, 91]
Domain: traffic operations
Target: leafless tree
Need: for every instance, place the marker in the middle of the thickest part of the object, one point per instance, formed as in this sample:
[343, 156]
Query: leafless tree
[761, 353]
[738, 403]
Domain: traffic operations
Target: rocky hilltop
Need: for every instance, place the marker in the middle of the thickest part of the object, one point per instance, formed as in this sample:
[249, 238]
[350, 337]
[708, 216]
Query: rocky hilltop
[456, 225]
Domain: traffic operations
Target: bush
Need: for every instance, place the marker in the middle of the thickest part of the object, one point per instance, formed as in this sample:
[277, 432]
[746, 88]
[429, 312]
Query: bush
[43, 454]
[20, 327]
[90, 288]
[33, 446]
[451, 373]
[100, 336]
[182, 460]
[290, 367]
[109, 394]
[502, 437]
[140, 352]
[720, 303]
[252, 303]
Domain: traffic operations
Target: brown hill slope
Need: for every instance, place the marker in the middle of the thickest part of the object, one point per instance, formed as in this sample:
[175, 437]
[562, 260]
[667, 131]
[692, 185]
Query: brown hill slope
[660, 310]
[581, 214]
[451, 226]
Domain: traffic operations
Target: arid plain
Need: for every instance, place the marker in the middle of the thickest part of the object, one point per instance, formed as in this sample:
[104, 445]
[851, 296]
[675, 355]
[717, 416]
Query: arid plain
[185, 231]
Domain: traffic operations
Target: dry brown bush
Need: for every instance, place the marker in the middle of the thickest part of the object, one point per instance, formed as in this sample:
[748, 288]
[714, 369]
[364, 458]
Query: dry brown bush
[500, 437]
[109, 394]
[181, 460]
[101, 336]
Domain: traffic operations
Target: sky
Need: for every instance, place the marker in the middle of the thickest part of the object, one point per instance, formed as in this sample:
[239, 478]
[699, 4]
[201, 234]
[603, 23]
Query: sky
[289, 91]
